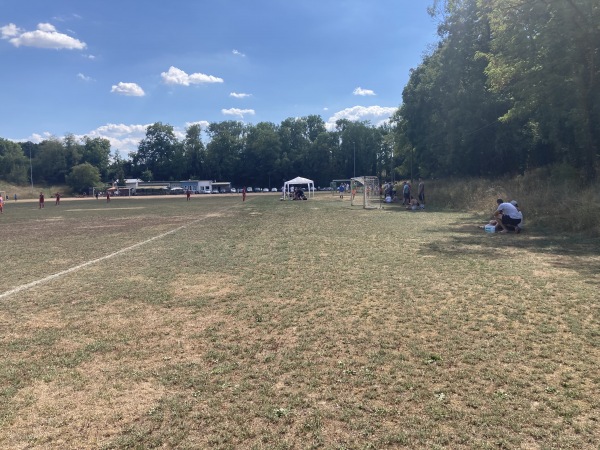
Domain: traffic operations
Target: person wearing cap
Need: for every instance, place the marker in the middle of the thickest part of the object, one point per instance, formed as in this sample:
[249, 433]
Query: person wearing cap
[508, 216]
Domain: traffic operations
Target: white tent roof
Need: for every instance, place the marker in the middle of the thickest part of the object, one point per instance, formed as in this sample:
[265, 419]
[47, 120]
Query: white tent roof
[299, 180]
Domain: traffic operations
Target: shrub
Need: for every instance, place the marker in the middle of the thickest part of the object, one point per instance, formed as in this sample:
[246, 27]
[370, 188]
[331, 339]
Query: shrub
[552, 198]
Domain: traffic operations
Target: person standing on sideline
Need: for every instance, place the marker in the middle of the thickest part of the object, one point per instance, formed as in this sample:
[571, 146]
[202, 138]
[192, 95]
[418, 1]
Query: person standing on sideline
[15, 196]
[188, 193]
[107, 196]
[244, 194]
[406, 193]
[57, 199]
[41, 200]
[421, 191]
[342, 189]
[1, 204]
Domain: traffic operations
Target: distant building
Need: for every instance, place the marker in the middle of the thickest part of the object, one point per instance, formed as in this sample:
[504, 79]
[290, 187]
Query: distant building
[141, 187]
[197, 186]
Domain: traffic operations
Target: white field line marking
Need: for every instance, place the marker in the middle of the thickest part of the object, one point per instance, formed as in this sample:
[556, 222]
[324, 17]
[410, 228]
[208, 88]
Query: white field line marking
[105, 209]
[27, 286]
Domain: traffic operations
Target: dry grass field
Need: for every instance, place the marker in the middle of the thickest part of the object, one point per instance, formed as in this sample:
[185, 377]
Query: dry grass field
[161, 323]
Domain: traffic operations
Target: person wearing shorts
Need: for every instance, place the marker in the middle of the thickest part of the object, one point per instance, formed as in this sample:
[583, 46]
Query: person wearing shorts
[41, 200]
[508, 217]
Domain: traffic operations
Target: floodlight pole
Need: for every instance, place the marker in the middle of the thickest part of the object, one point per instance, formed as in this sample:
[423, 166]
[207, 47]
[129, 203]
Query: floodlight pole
[31, 170]
[392, 167]
[412, 149]
[354, 146]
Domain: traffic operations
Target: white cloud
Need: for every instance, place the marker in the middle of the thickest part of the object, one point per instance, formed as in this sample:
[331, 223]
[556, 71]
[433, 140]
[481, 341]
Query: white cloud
[67, 18]
[129, 89]
[238, 112]
[237, 53]
[45, 36]
[178, 76]
[84, 77]
[10, 30]
[126, 138]
[363, 92]
[203, 124]
[377, 115]
[122, 138]
[36, 138]
[239, 95]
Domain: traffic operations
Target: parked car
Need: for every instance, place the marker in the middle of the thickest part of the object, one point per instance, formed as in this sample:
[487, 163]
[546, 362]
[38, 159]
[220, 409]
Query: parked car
[273, 189]
[249, 189]
[215, 191]
[233, 190]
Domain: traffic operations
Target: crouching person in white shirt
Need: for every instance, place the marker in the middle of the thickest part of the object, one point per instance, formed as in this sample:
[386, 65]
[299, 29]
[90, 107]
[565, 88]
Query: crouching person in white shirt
[508, 216]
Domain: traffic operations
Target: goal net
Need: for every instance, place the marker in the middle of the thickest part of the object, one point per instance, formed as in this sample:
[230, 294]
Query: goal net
[365, 192]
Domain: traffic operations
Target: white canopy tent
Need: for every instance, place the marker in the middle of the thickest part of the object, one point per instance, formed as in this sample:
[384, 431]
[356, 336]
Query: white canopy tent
[298, 181]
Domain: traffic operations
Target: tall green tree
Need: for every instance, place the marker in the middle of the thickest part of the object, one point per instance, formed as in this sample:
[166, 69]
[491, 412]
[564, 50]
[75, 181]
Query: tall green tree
[260, 154]
[50, 164]
[545, 56]
[223, 152]
[83, 177]
[72, 150]
[96, 151]
[449, 114]
[294, 137]
[157, 152]
[194, 151]
[116, 169]
[14, 165]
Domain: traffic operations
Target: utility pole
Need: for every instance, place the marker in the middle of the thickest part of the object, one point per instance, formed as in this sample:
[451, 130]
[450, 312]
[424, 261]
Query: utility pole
[31, 170]
[354, 146]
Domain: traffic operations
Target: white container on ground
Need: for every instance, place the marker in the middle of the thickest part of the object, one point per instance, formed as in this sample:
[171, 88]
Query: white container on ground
[490, 228]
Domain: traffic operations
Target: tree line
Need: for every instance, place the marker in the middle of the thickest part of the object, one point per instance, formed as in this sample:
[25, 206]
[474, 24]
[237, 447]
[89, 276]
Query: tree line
[511, 85]
[263, 154]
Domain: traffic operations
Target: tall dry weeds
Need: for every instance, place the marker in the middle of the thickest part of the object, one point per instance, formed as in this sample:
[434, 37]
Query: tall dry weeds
[552, 199]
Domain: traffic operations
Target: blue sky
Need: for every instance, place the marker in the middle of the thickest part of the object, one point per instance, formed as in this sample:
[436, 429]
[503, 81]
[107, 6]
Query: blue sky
[109, 69]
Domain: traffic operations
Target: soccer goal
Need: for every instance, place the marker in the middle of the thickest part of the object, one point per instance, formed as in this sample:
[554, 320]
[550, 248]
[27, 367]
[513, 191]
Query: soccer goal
[365, 192]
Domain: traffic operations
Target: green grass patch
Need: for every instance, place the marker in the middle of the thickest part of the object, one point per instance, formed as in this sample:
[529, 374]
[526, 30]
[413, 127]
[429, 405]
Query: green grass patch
[271, 324]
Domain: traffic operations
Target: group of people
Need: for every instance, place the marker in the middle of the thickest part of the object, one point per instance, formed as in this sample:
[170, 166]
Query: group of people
[389, 193]
[507, 217]
[407, 198]
[299, 194]
[42, 200]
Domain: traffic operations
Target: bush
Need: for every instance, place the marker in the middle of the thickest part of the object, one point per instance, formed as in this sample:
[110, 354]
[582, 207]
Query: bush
[552, 198]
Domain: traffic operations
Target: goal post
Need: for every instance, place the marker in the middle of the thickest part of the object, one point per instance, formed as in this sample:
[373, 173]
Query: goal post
[365, 191]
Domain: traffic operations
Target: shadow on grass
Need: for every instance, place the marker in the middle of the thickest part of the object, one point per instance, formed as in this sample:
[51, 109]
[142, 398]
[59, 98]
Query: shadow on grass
[464, 237]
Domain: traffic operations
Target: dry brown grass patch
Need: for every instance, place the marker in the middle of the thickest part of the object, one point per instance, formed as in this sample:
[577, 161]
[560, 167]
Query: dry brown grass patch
[56, 415]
